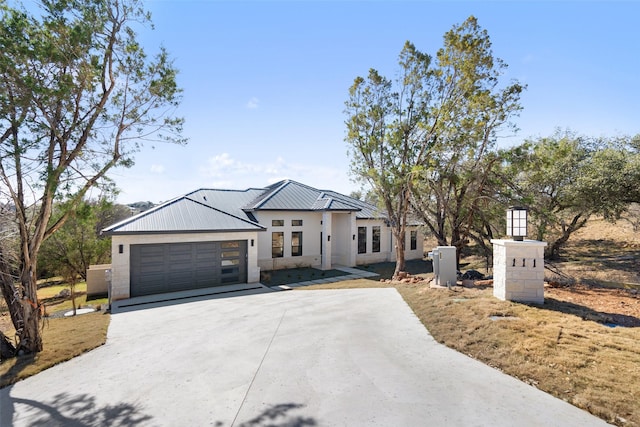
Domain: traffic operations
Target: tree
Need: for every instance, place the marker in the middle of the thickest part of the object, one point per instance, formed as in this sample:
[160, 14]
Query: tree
[565, 179]
[389, 136]
[78, 243]
[455, 188]
[415, 138]
[79, 97]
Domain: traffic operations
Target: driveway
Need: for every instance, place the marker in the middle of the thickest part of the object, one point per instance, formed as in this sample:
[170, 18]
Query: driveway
[328, 358]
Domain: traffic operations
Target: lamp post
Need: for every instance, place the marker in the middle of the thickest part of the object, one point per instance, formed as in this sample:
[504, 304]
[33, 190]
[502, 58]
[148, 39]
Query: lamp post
[517, 223]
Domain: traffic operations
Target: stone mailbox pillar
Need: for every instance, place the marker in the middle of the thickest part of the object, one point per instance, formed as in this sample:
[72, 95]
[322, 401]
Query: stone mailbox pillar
[518, 270]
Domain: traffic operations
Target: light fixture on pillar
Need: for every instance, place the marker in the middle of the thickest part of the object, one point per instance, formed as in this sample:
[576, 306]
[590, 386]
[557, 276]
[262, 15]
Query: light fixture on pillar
[517, 223]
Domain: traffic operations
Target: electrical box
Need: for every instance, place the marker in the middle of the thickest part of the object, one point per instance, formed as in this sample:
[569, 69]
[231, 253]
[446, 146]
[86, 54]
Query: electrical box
[435, 258]
[446, 273]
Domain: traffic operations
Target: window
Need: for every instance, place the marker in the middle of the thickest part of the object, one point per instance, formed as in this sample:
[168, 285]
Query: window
[296, 222]
[375, 238]
[414, 240]
[277, 244]
[277, 222]
[296, 243]
[362, 240]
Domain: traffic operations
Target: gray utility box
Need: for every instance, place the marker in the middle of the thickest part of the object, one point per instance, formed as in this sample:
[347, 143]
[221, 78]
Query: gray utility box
[444, 265]
[435, 261]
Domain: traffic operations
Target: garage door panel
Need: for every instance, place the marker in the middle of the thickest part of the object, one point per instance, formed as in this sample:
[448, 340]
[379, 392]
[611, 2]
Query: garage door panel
[169, 267]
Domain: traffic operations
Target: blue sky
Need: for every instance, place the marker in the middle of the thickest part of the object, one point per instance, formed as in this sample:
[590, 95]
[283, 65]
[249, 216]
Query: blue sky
[265, 81]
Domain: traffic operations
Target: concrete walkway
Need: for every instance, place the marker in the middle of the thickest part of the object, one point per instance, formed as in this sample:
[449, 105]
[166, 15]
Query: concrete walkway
[356, 357]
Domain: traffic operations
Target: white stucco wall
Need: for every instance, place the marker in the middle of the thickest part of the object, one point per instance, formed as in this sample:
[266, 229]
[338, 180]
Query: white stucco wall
[120, 262]
[387, 244]
[311, 228]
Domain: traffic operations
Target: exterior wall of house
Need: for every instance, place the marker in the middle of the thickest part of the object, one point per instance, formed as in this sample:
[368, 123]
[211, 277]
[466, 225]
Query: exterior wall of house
[387, 244]
[341, 249]
[311, 229]
[418, 252]
[120, 260]
[386, 250]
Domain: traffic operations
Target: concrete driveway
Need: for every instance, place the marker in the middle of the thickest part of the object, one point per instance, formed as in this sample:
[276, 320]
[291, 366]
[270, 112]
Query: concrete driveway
[328, 358]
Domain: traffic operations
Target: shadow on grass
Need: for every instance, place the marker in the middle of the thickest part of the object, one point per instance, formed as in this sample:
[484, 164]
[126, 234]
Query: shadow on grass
[71, 410]
[586, 313]
[385, 270]
[20, 363]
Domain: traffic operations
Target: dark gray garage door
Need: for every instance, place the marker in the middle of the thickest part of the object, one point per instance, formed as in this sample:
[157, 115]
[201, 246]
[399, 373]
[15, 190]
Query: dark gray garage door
[170, 267]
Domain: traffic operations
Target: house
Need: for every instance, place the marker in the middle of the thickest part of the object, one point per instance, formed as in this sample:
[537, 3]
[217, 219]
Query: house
[210, 238]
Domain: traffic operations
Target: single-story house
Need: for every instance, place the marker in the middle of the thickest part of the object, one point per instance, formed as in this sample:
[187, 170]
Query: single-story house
[211, 237]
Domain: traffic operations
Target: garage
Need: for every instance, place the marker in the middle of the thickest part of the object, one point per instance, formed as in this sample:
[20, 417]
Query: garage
[170, 267]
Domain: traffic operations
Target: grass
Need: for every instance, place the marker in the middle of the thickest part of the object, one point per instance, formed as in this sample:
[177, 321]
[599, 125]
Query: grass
[47, 292]
[560, 347]
[63, 338]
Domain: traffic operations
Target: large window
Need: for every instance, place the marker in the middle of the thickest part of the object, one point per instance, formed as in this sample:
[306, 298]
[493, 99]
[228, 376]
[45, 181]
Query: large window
[277, 244]
[414, 240]
[296, 243]
[375, 239]
[362, 240]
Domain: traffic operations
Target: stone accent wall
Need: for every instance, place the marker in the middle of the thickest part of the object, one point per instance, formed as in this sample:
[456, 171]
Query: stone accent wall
[518, 270]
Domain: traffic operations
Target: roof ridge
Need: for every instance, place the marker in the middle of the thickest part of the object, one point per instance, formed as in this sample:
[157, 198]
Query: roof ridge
[283, 184]
[223, 212]
[143, 214]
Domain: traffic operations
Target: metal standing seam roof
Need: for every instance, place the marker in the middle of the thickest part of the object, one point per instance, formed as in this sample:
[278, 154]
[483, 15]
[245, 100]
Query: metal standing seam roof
[184, 215]
[291, 195]
[232, 210]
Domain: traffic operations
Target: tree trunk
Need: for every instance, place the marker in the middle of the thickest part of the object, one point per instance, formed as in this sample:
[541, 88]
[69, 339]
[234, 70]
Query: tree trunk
[7, 350]
[553, 250]
[30, 338]
[400, 246]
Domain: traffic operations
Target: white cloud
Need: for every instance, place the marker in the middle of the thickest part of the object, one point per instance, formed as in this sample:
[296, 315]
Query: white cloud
[223, 171]
[157, 168]
[253, 103]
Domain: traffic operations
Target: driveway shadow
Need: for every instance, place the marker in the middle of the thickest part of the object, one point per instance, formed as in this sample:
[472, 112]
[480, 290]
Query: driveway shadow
[587, 313]
[79, 410]
[277, 416]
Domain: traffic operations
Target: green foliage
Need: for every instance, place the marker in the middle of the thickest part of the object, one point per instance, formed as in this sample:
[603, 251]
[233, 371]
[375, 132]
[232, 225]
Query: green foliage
[564, 179]
[79, 96]
[78, 243]
[425, 137]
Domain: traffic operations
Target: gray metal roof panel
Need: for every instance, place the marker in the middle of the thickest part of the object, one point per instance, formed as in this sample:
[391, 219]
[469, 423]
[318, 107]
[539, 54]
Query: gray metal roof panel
[367, 210]
[231, 210]
[183, 215]
[291, 195]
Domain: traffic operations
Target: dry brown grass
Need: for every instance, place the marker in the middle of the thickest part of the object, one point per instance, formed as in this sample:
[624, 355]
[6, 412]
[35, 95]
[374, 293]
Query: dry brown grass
[551, 347]
[63, 339]
[562, 347]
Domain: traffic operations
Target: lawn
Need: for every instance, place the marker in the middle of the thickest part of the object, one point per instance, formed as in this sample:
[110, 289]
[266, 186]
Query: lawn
[563, 347]
[63, 337]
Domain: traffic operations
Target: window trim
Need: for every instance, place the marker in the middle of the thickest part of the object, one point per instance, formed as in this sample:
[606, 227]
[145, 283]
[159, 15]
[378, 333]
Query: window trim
[362, 240]
[280, 236]
[414, 240]
[296, 250]
[375, 242]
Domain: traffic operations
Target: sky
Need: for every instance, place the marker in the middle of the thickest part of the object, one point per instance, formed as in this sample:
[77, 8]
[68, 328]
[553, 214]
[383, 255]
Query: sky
[265, 81]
